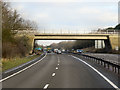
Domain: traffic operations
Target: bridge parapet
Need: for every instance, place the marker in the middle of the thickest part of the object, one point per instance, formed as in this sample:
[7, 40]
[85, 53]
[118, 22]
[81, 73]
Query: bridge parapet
[84, 32]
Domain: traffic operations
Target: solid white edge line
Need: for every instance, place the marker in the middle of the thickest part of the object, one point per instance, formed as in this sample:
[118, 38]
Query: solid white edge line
[46, 86]
[110, 82]
[53, 74]
[22, 70]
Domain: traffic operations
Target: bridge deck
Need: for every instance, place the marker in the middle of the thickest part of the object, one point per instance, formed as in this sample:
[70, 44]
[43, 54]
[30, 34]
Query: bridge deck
[71, 36]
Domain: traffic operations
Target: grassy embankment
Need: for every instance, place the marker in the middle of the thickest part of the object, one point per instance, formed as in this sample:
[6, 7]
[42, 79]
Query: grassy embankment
[14, 62]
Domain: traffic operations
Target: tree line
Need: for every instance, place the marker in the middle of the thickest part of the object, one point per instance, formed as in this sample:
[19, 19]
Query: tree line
[76, 44]
[14, 45]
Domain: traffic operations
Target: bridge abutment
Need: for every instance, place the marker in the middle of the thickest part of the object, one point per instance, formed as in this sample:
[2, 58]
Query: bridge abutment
[108, 46]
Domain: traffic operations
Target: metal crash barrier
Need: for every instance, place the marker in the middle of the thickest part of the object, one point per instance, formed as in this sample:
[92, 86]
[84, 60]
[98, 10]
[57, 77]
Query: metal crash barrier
[109, 65]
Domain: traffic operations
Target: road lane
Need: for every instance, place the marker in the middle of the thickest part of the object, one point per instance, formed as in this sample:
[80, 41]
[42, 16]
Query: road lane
[74, 74]
[115, 78]
[58, 71]
[36, 76]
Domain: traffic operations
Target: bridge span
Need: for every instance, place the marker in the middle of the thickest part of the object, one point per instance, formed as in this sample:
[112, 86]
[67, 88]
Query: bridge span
[71, 37]
[110, 40]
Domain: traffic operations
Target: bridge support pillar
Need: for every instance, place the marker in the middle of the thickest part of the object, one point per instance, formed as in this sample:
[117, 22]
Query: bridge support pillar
[96, 44]
[102, 46]
[99, 44]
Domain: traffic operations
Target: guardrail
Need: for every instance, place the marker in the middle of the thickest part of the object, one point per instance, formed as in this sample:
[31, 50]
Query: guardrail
[111, 66]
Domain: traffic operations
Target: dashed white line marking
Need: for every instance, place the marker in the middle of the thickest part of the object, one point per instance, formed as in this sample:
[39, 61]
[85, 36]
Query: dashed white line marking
[53, 74]
[58, 59]
[22, 70]
[58, 64]
[56, 68]
[110, 82]
[46, 86]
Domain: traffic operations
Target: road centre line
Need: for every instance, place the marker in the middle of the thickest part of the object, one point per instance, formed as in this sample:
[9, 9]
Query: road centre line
[56, 68]
[53, 74]
[22, 69]
[104, 77]
[58, 61]
[46, 86]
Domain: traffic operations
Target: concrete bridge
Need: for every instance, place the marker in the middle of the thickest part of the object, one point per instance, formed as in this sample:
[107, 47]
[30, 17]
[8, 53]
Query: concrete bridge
[110, 40]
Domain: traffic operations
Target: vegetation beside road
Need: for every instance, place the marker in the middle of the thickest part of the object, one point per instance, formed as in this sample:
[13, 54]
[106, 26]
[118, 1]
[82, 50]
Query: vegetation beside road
[14, 62]
[15, 45]
[77, 44]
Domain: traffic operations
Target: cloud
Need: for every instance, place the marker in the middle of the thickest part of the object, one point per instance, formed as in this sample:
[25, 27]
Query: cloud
[98, 15]
[70, 16]
[20, 7]
[108, 17]
[88, 10]
[42, 15]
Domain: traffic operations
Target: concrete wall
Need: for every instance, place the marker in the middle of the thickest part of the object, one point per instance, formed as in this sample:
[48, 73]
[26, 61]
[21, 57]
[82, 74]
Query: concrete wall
[114, 40]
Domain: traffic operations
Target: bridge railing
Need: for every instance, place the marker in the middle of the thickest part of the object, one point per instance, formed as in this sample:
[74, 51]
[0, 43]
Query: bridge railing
[105, 32]
[109, 65]
[62, 33]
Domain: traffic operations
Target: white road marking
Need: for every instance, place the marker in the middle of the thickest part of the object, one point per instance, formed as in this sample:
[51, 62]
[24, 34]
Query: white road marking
[110, 82]
[58, 59]
[22, 70]
[53, 74]
[56, 68]
[58, 64]
[46, 86]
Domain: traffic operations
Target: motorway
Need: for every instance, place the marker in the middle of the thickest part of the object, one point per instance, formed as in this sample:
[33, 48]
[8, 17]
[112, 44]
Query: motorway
[62, 71]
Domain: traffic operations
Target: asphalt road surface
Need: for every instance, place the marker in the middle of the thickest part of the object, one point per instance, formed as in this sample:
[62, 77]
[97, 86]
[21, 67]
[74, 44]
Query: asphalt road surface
[61, 71]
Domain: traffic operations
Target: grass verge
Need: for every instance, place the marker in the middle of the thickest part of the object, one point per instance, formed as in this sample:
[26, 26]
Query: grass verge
[14, 62]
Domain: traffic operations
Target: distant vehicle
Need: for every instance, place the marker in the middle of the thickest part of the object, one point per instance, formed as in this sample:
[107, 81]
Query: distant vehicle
[49, 51]
[59, 52]
[55, 50]
[79, 51]
[74, 51]
[63, 50]
[38, 50]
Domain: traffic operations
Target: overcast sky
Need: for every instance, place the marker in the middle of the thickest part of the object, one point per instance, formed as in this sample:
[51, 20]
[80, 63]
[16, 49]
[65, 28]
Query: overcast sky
[75, 16]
